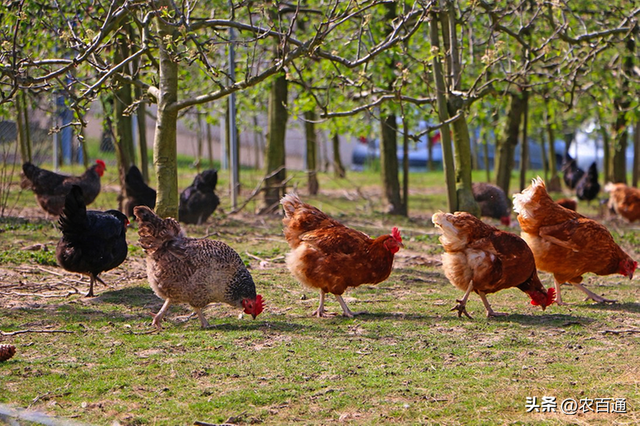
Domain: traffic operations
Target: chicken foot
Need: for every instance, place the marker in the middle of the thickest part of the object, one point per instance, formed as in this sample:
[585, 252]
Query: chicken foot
[157, 318]
[320, 312]
[203, 321]
[490, 312]
[461, 307]
[345, 309]
[92, 280]
[590, 295]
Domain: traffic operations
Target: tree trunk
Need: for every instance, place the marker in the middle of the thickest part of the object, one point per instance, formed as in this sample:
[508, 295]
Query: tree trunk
[636, 155]
[543, 151]
[389, 135]
[622, 105]
[553, 185]
[462, 147]
[124, 131]
[524, 152]
[199, 140]
[21, 128]
[443, 115]
[312, 150]
[506, 142]
[164, 144]
[405, 166]
[210, 144]
[142, 135]
[389, 164]
[618, 159]
[338, 168]
[275, 149]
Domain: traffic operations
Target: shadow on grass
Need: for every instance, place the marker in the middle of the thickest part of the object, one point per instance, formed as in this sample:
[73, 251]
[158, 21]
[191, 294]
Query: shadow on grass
[545, 320]
[618, 307]
[138, 296]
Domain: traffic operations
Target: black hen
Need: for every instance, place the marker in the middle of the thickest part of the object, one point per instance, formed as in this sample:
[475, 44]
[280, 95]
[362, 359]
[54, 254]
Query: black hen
[571, 173]
[588, 187]
[137, 191]
[199, 201]
[92, 241]
[52, 188]
[492, 201]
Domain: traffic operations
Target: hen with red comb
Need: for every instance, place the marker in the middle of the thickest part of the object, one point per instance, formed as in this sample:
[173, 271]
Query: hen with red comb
[330, 257]
[481, 258]
[197, 271]
[51, 188]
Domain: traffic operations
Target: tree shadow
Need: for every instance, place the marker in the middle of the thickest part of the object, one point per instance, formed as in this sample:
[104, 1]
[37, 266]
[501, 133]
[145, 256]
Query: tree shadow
[545, 320]
[617, 307]
[138, 296]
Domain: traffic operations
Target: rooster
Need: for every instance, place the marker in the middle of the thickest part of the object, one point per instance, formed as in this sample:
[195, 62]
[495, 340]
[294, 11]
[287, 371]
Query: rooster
[492, 201]
[199, 201]
[571, 173]
[588, 187]
[481, 258]
[52, 188]
[567, 244]
[137, 191]
[197, 271]
[331, 257]
[92, 241]
[624, 200]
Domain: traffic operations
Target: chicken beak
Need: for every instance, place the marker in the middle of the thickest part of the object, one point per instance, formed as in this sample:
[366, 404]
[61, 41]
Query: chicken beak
[254, 316]
[631, 275]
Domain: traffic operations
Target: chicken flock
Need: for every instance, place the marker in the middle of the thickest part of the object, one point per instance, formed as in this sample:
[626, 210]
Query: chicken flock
[330, 257]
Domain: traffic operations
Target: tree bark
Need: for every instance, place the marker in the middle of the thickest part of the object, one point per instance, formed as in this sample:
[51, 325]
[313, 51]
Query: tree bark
[338, 168]
[443, 114]
[636, 155]
[124, 131]
[275, 149]
[21, 127]
[164, 145]
[389, 136]
[622, 105]
[142, 135]
[312, 150]
[524, 152]
[553, 185]
[507, 140]
[462, 157]
[389, 165]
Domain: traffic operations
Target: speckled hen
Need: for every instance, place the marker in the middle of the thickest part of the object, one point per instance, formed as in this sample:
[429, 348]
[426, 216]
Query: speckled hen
[197, 271]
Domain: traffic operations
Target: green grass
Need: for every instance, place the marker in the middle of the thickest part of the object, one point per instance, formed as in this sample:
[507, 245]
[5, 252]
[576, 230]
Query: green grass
[408, 360]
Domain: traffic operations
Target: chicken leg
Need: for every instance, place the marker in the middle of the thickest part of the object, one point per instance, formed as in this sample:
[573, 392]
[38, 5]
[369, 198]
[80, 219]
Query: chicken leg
[345, 309]
[461, 307]
[320, 311]
[157, 318]
[203, 321]
[490, 312]
[590, 295]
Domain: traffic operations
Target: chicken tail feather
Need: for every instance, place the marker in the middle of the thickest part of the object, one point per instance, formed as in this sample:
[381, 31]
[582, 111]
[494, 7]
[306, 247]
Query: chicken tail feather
[154, 230]
[74, 213]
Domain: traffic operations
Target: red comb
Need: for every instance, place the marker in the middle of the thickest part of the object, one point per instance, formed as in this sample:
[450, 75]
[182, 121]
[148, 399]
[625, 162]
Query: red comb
[395, 233]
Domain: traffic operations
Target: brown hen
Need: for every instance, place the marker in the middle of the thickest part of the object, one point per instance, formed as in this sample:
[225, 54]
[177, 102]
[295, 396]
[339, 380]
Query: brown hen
[331, 257]
[481, 258]
[624, 200]
[566, 243]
